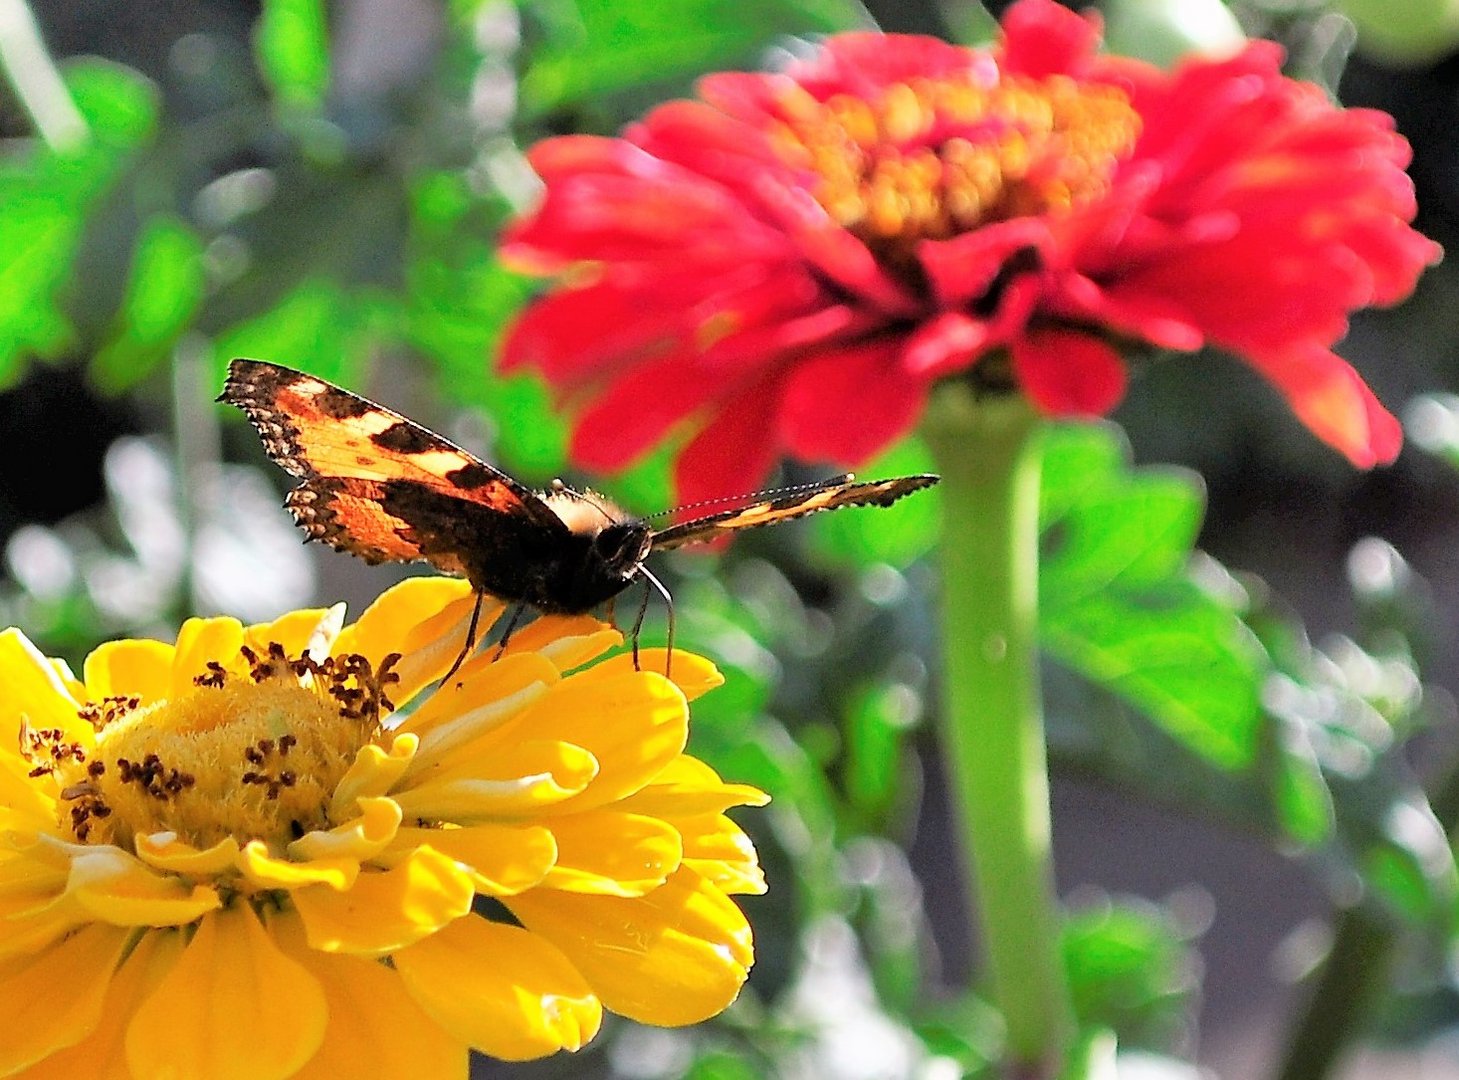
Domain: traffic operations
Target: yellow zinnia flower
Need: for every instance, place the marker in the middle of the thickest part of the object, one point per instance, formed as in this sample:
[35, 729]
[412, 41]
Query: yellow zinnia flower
[226, 858]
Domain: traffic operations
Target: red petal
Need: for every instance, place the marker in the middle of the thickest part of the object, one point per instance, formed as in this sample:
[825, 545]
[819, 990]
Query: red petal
[847, 404]
[734, 452]
[1041, 38]
[1068, 374]
[638, 410]
[590, 335]
[947, 343]
[1159, 320]
[575, 334]
[961, 269]
[865, 64]
[708, 142]
[1331, 398]
[832, 250]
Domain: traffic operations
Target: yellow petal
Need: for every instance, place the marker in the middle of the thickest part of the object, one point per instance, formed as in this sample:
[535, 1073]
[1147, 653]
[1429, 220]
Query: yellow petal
[55, 1000]
[500, 989]
[523, 778]
[569, 641]
[422, 618]
[201, 640]
[32, 874]
[360, 839]
[311, 629]
[633, 723]
[233, 1007]
[102, 1054]
[132, 666]
[373, 772]
[482, 698]
[675, 956]
[688, 786]
[387, 910]
[119, 888]
[690, 672]
[35, 912]
[24, 804]
[265, 871]
[375, 1027]
[502, 859]
[28, 934]
[164, 851]
[36, 693]
[612, 854]
[719, 850]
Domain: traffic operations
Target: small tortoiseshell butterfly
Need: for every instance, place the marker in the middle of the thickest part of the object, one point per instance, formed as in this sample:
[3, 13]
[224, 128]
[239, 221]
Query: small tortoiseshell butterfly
[379, 486]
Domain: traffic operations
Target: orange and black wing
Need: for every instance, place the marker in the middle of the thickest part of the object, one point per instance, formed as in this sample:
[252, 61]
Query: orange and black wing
[793, 503]
[375, 484]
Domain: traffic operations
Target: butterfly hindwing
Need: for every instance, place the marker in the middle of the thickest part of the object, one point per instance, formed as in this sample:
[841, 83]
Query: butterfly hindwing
[792, 504]
[375, 484]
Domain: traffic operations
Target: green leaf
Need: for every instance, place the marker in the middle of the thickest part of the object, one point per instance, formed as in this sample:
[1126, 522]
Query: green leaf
[47, 198]
[1128, 969]
[317, 327]
[291, 44]
[597, 47]
[1415, 883]
[459, 299]
[121, 106]
[164, 292]
[876, 722]
[898, 534]
[722, 1065]
[1303, 801]
[1119, 605]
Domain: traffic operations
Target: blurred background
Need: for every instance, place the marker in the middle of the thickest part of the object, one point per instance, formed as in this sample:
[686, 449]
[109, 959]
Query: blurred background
[322, 185]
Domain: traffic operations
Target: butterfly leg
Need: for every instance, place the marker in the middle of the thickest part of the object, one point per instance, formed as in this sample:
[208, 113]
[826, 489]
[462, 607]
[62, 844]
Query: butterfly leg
[512, 620]
[470, 638]
[638, 620]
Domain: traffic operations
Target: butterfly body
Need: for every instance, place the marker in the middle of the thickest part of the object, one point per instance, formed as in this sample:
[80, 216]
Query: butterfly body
[379, 486]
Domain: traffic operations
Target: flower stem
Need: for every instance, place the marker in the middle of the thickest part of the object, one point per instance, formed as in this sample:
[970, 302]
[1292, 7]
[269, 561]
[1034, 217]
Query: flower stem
[33, 76]
[1349, 984]
[989, 455]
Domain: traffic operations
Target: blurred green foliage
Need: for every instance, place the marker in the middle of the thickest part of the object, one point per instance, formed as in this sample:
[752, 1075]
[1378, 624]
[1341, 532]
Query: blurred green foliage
[243, 197]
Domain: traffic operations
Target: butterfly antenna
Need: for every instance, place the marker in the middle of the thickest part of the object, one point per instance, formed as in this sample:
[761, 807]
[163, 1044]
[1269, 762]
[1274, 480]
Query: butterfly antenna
[470, 638]
[766, 493]
[669, 605]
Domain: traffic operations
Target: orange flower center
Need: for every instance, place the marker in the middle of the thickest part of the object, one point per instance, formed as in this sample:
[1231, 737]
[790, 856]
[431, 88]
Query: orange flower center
[251, 756]
[934, 158]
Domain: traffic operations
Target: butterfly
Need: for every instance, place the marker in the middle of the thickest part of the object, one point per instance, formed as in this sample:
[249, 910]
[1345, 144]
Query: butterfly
[386, 489]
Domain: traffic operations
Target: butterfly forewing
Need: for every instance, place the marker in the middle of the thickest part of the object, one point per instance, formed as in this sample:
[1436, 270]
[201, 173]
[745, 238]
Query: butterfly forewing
[373, 483]
[797, 502]
[376, 485]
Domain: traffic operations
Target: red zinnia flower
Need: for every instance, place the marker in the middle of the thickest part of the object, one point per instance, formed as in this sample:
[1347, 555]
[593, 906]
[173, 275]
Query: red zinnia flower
[790, 262]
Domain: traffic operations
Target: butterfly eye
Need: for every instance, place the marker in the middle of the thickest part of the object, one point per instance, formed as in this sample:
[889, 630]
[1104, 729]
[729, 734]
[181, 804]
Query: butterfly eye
[623, 543]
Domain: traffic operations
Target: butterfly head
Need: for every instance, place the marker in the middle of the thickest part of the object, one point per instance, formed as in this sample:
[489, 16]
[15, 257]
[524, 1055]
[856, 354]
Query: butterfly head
[622, 546]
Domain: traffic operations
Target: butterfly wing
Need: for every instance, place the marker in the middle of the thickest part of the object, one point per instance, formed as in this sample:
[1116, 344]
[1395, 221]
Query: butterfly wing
[375, 484]
[792, 504]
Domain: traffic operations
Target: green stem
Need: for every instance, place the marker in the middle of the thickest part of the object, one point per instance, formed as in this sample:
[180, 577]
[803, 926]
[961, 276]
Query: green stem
[989, 455]
[1352, 978]
[1355, 973]
[32, 74]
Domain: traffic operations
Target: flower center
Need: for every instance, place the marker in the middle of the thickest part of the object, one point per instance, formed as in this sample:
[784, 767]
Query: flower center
[253, 756]
[932, 158]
